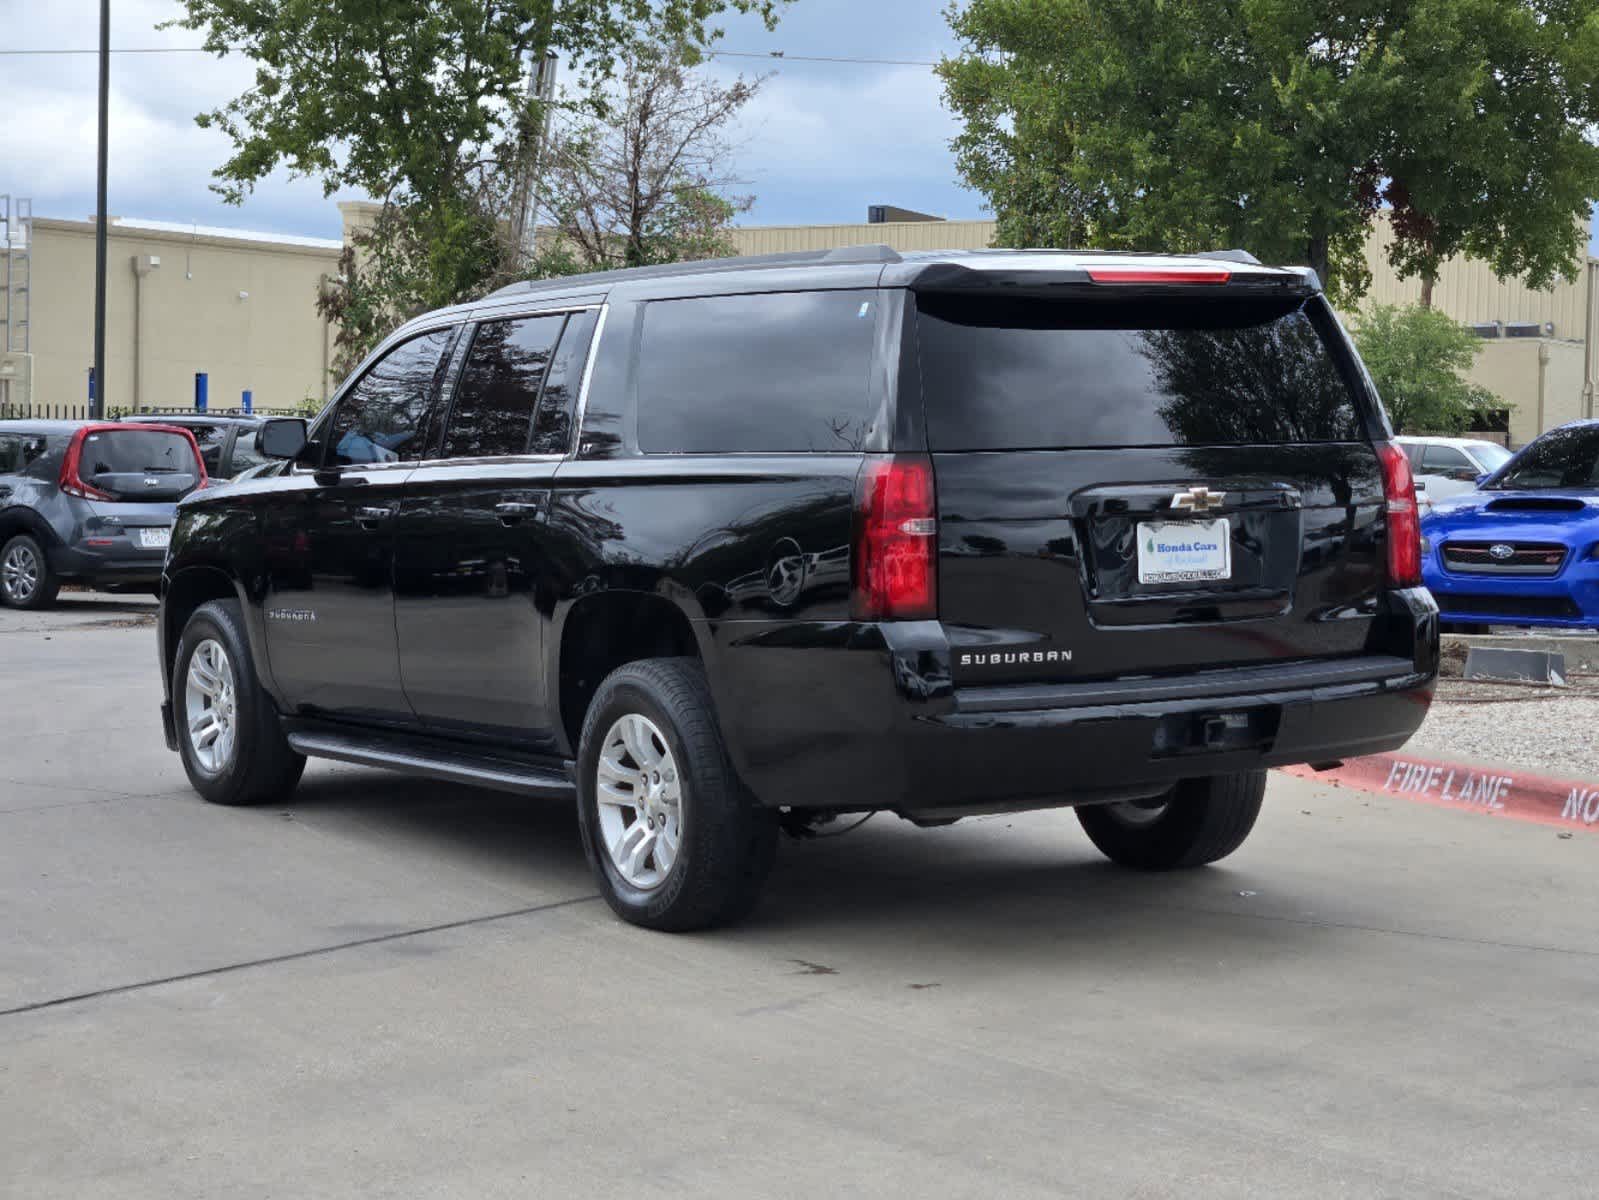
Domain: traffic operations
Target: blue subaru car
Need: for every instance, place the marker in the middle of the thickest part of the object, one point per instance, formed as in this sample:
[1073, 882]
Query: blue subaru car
[1524, 548]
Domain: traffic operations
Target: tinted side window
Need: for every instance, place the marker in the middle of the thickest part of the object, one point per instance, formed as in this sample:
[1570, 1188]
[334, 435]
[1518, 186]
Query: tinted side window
[499, 387]
[771, 373]
[382, 418]
[1010, 374]
[10, 455]
[245, 454]
[211, 439]
[1446, 460]
[1438, 460]
[552, 428]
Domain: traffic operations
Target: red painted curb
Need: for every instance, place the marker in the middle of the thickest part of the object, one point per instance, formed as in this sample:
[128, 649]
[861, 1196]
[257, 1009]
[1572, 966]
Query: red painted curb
[1501, 791]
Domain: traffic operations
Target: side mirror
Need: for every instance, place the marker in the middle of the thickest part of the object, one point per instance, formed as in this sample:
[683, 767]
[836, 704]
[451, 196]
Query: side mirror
[282, 437]
[1484, 478]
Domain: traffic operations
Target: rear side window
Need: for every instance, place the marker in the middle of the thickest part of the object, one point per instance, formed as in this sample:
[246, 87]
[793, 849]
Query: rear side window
[499, 389]
[773, 373]
[382, 418]
[10, 454]
[1044, 374]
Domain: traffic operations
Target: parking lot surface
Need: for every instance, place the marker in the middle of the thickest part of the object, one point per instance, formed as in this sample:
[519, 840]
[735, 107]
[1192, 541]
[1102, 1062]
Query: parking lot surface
[395, 988]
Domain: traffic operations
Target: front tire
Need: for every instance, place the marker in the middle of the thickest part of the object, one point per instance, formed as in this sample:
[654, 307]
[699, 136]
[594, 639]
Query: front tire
[674, 838]
[26, 580]
[232, 745]
[1199, 821]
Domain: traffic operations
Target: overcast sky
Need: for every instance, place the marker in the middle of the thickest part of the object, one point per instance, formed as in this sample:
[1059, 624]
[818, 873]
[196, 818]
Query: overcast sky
[821, 141]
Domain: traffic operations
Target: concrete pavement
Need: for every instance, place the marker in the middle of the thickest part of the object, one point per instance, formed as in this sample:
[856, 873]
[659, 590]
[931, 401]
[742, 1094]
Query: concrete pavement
[395, 988]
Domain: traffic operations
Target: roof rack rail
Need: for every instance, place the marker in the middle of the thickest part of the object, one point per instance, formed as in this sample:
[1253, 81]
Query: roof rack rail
[1237, 256]
[874, 253]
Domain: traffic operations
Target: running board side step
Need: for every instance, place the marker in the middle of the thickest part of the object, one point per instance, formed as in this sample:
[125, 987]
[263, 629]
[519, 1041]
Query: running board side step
[449, 765]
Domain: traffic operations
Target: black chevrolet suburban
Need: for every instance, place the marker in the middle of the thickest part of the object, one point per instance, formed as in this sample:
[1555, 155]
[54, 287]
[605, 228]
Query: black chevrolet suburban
[728, 548]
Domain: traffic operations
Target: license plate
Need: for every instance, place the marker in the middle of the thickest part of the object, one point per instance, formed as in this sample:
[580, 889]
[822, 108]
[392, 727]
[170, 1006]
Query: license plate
[1184, 551]
[155, 539]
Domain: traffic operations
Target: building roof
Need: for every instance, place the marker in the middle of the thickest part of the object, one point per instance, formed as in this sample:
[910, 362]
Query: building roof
[222, 231]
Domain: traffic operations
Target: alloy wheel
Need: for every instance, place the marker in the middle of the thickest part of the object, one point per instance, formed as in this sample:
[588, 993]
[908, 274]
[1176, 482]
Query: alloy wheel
[640, 800]
[19, 574]
[210, 710]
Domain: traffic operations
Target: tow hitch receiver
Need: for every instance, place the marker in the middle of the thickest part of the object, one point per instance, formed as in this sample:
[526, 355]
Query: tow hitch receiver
[1216, 732]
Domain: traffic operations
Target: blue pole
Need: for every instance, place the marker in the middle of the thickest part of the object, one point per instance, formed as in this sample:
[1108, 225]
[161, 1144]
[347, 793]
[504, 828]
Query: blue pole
[200, 384]
[91, 386]
[247, 400]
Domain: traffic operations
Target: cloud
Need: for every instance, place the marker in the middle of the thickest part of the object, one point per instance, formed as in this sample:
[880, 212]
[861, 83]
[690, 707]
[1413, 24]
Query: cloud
[159, 161]
[820, 142]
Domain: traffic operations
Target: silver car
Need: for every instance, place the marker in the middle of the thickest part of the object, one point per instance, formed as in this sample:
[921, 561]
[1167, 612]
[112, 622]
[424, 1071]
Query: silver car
[1448, 466]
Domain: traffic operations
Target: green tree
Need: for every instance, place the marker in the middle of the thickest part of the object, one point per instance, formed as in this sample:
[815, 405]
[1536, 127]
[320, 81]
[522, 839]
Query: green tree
[1416, 357]
[1285, 126]
[424, 104]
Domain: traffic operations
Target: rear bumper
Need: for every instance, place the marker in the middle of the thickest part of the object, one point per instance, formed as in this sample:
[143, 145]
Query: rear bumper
[980, 752]
[120, 563]
[863, 717]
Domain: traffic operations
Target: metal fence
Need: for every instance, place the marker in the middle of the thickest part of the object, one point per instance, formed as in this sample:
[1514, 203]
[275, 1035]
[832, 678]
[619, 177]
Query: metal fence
[80, 412]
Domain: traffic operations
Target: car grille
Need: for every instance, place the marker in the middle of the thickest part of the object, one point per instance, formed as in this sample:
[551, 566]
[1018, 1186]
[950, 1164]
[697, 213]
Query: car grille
[1559, 608]
[1523, 558]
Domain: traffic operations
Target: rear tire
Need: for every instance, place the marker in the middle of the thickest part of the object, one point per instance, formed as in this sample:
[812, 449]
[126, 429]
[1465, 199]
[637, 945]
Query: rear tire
[232, 745]
[674, 838]
[26, 580]
[1199, 821]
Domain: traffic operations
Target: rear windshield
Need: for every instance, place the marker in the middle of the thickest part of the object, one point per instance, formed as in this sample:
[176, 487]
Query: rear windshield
[130, 451]
[1561, 458]
[1043, 374]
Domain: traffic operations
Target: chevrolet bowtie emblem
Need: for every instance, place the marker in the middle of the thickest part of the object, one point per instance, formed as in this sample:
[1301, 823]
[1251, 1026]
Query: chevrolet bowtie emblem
[1198, 499]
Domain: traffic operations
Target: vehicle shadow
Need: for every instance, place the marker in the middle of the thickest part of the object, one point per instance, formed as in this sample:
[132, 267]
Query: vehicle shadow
[992, 886]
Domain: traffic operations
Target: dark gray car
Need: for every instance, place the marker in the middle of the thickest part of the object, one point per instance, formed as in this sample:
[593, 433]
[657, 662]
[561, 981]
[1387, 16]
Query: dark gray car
[227, 442]
[88, 503]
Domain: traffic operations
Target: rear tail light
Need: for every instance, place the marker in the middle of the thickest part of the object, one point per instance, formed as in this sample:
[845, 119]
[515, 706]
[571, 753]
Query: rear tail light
[1195, 274]
[896, 540]
[1404, 523]
[70, 481]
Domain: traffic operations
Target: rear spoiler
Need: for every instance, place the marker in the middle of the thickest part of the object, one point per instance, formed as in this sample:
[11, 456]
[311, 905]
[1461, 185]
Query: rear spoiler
[1042, 275]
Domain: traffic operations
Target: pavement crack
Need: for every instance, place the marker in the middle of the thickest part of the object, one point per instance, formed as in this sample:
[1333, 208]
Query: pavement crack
[294, 956]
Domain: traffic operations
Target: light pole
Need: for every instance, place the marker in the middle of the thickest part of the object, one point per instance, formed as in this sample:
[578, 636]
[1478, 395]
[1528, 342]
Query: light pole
[97, 407]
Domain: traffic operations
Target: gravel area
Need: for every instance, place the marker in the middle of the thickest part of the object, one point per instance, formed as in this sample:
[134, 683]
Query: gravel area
[1552, 730]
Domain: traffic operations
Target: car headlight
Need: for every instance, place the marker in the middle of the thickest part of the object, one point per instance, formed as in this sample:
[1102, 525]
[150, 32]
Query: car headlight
[1426, 546]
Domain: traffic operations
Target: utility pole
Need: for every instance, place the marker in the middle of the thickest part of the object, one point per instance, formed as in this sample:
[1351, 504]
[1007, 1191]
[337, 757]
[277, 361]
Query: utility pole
[97, 406]
[541, 94]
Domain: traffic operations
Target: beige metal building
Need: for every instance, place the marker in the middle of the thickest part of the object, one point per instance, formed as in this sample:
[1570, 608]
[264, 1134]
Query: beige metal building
[242, 307]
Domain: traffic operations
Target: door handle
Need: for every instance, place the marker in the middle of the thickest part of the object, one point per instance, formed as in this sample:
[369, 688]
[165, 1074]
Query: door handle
[372, 517]
[512, 511]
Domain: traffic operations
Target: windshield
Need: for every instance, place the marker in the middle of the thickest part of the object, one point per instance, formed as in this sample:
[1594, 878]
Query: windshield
[1562, 458]
[1491, 455]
